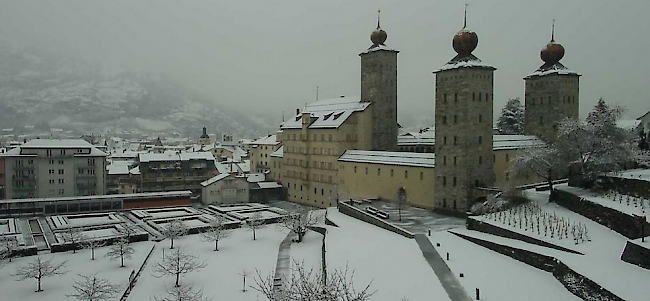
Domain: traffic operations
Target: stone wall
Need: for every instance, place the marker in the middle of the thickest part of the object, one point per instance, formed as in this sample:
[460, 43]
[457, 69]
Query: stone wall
[622, 223]
[63, 247]
[637, 255]
[358, 214]
[548, 100]
[628, 186]
[473, 224]
[573, 281]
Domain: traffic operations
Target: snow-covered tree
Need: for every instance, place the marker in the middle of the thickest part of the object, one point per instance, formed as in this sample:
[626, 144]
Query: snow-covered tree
[299, 221]
[174, 229]
[121, 249]
[182, 292]
[176, 264]
[93, 288]
[255, 222]
[216, 231]
[73, 236]
[92, 244]
[8, 246]
[39, 269]
[312, 285]
[546, 162]
[598, 144]
[511, 120]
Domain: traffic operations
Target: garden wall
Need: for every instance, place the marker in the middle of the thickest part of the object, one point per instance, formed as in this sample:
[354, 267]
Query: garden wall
[626, 185]
[622, 223]
[358, 214]
[637, 255]
[573, 281]
[480, 226]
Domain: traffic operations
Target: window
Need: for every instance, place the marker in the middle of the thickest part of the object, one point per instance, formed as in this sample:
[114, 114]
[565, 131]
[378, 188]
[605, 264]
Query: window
[473, 96]
[455, 140]
[51, 171]
[355, 169]
[479, 97]
[455, 119]
[406, 174]
[456, 97]
[391, 173]
[444, 140]
[322, 137]
[480, 118]
[455, 181]
[51, 181]
[61, 162]
[315, 191]
[330, 138]
[444, 181]
[51, 162]
[444, 119]
[421, 176]
[63, 152]
[61, 191]
[61, 181]
[378, 171]
[507, 158]
[366, 170]
[454, 161]
[480, 159]
[444, 98]
[480, 139]
[444, 160]
[49, 154]
[541, 119]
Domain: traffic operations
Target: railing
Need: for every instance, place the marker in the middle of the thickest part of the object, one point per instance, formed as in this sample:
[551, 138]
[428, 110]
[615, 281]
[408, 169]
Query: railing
[134, 276]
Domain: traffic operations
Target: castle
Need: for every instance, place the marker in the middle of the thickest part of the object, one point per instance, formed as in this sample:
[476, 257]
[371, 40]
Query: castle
[347, 147]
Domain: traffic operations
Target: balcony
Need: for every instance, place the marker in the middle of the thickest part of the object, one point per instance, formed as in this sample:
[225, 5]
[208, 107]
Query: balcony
[23, 166]
[24, 188]
[23, 177]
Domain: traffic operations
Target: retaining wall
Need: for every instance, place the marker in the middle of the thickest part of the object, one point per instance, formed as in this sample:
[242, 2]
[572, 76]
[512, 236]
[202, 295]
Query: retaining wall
[637, 255]
[358, 214]
[622, 223]
[627, 185]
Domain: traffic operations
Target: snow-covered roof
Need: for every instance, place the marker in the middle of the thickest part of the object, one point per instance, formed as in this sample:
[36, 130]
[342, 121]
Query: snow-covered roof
[628, 124]
[417, 138]
[155, 157]
[643, 116]
[556, 68]
[214, 179]
[389, 158]
[380, 47]
[266, 140]
[118, 168]
[268, 185]
[196, 156]
[57, 143]
[135, 170]
[279, 153]
[328, 113]
[504, 142]
[255, 177]
[464, 62]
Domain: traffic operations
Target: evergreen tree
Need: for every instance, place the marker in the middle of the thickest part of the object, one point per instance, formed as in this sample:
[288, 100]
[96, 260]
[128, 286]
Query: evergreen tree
[511, 120]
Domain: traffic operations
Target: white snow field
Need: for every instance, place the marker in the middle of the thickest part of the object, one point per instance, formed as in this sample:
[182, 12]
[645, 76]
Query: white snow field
[393, 263]
[497, 276]
[56, 288]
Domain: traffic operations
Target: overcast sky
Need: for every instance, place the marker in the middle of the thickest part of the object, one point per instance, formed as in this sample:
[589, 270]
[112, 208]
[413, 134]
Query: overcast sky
[268, 56]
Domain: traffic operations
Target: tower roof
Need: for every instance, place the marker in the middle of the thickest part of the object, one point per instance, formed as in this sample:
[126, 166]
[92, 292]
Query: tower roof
[464, 42]
[551, 54]
[378, 38]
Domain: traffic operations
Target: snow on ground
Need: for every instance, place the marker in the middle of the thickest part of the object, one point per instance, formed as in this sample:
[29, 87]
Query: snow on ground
[625, 206]
[56, 288]
[639, 174]
[309, 251]
[220, 280]
[601, 262]
[497, 276]
[393, 263]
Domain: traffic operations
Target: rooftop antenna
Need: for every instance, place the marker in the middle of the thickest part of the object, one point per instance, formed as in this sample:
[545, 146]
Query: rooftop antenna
[378, 15]
[282, 116]
[465, 19]
[553, 32]
[316, 93]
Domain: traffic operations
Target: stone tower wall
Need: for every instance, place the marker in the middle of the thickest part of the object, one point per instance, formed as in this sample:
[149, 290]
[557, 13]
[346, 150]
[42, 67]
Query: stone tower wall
[464, 108]
[550, 99]
[379, 87]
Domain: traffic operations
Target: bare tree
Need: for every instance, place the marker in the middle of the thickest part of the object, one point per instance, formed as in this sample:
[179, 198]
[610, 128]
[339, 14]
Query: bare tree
[173, 230]
[182, 293]
[216, 231]
[8, 246]
[125, 230]
[39, 269]
[244, 273]
[93, 288]
[255, 222]
[120, 249]
[312, 285]
[176, 264]
[73, 236]
[299, 221]
[546, 162]
[92, 244]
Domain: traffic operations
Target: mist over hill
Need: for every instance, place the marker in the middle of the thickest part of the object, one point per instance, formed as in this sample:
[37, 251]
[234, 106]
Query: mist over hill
[47, 90]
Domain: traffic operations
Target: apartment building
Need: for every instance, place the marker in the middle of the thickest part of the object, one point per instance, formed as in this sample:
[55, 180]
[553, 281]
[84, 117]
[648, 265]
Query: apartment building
[260, 152]
[54, 168]
[175, 171]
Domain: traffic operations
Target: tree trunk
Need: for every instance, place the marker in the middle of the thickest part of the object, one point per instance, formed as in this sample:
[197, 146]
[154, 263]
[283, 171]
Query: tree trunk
[216, 245]
[301, 234]
[253, 233]
[172, 246]
[39, 285]
[92, 252]
[399, 210]
[177, 277]
[122, 258]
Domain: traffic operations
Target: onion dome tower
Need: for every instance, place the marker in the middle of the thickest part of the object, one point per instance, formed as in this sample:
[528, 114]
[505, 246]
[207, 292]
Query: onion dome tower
[552, 93]
[379, 87]
[463, 126]
[205, 139]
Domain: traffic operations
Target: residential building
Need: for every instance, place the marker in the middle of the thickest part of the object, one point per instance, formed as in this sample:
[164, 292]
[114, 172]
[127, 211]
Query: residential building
[645, 124]
[260, 152]
[225, 189]
[276, 165]
[54, 168]
[175, 171]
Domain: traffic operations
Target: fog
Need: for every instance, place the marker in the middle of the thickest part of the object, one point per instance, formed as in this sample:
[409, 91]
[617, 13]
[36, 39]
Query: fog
[266, 57]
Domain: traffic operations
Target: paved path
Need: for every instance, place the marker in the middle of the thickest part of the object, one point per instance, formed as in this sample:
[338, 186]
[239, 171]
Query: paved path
[283, 265]
[451, 284]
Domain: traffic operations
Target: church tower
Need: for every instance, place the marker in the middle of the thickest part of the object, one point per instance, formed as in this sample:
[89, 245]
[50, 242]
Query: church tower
[463, 124]
[204, 139]
[552, 93]
[379, 87]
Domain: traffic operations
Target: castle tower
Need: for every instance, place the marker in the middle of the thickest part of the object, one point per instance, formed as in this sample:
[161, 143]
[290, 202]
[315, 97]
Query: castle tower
[552, 93]
[379, 87]
[463, 107]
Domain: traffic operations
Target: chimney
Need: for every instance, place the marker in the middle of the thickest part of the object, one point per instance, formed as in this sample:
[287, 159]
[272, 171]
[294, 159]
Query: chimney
[297, 111]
